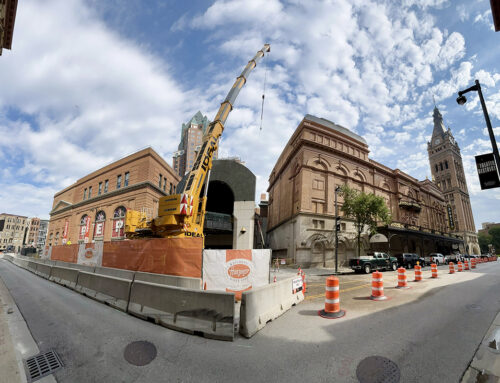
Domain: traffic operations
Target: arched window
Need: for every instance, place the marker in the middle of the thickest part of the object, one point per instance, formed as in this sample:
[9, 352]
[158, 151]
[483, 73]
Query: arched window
[441, 166]
[436, 167]
[56, 242]
[100, 220]
[84, 228]
[118, 223]
[446, 164]
[50, 238]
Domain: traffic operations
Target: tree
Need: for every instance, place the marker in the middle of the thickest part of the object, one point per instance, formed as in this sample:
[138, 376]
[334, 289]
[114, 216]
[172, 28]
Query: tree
[494, 233]
[365, 209]
[484, 240]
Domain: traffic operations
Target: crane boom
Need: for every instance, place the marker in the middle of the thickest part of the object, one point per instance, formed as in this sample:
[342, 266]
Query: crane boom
[183, 214]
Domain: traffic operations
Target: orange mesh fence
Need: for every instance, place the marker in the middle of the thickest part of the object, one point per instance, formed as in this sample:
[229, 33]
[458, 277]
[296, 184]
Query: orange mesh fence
[65, 253]
[173, 256]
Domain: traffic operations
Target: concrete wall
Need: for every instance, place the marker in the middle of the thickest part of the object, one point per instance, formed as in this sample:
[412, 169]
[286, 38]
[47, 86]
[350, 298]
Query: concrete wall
[244, 212]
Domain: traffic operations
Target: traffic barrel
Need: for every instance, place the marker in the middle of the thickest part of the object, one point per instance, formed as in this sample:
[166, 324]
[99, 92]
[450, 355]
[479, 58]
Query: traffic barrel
[300, 271]
[377, 287]
[304, 283]
[402, 284]
[452, 268]
[434, 270]
[459, 266]
[418, 273]
[466, 265]
[473, 263]
[332, 300]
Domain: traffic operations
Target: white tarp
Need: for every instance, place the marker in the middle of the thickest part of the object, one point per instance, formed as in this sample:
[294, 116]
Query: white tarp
[90, 254]
[235, 270]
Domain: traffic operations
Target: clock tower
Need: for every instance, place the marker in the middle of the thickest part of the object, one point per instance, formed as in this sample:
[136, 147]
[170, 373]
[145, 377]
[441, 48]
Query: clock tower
[448, 174]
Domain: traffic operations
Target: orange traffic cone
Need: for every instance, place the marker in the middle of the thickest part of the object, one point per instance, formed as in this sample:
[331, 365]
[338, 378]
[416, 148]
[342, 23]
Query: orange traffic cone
[332, 300]
[418, 273]
[377, 287]
[402, 284]
[304, 283]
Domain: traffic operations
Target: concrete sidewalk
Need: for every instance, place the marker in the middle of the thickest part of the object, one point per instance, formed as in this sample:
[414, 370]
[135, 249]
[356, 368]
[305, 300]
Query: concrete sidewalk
[16, 341]
[485, 366]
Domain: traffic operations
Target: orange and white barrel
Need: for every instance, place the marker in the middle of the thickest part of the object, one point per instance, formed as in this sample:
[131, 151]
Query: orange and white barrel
[473, 263]
[377, 287]
[434, 270]
[459, 266]
[452, 268]
[332, 300]
[304, 282]
[466, 265]
[402, 283]
[418, 273]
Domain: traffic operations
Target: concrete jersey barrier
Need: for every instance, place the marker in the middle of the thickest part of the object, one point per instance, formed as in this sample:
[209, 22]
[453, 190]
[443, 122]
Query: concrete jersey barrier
[169, 280]
[117, 273]
[266, 303]
[23, 263]
[86, 268]
[31, 266]
[109, 290]
[64, 276]
[210, 313]
[43, 270]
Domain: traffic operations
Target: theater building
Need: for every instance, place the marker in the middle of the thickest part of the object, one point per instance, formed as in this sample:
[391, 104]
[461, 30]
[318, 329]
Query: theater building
[322, 155]
[94, 207]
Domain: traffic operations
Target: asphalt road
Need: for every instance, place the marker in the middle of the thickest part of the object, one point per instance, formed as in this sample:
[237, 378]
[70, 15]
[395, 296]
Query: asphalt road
[430, 332]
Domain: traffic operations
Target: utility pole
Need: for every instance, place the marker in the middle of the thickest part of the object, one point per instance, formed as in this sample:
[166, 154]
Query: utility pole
[337, 224]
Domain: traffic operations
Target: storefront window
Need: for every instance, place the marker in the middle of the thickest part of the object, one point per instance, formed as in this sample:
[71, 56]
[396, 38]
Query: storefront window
[118, 223]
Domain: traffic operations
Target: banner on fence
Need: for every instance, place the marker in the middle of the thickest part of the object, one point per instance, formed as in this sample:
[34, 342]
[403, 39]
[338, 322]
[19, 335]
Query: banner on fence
[235, 270]
[90, 254]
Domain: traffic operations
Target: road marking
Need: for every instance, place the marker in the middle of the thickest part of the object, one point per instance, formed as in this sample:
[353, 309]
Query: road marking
[342, 291]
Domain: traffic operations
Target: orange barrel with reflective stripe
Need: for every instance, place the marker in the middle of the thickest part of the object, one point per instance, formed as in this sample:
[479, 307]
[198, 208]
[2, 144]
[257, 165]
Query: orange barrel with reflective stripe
[459, 266]
[377, 287]
[466, 265]
[402, 284]
[452, 268]
[332, 300]
[434, 270]
[418, 273]
[473, 263]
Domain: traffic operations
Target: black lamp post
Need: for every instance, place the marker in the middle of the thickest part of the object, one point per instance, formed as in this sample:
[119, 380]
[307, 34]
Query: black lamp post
[337, 224]
[462, 100]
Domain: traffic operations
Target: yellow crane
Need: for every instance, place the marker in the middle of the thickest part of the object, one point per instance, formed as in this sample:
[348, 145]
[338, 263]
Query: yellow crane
[183, 214]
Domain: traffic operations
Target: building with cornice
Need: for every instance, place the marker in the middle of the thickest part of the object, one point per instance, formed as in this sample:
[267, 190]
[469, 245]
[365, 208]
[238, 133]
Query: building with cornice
[448, 174]
[8, 10]
[322, 155]
[94, 207]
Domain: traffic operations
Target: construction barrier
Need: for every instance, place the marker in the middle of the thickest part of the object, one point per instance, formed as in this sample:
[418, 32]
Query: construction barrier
[459, 266]
[64, 276]
[43, 270]
[117, 273]
[418, 273]
[88, 269]
[377, 287]
[169, 280]
[473, 263]
[266, 303]
[402, 283]
[31, 266]
[466, 265]
[210, 313]
[109, 290]
[23, 263]
[332, 300]
[434, 271]
[452, 268]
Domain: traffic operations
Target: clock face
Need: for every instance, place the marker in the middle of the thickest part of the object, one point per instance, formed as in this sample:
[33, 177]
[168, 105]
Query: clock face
[437, 141]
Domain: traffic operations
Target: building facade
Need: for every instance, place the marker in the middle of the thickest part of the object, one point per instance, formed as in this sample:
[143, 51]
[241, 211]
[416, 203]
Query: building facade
[33, 228]
[42, 234]
[191, 140]
[13, 230]
[8, 10]
[448, 174]
[320, 156]
[93, 208]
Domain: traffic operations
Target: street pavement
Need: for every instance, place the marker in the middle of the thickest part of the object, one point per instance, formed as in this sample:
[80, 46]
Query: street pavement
[430, 332]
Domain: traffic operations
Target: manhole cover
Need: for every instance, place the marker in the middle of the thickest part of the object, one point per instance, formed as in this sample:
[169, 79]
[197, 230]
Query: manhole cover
[42, 365]
[377, 369]
[140, 353]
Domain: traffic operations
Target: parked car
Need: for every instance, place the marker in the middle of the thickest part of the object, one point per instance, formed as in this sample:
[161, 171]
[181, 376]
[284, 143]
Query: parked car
[373, 261]
[409, 260]
[436, 258]
[451, 258]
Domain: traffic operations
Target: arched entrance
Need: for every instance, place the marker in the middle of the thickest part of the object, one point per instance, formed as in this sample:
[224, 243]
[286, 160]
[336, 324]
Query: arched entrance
[218, 226]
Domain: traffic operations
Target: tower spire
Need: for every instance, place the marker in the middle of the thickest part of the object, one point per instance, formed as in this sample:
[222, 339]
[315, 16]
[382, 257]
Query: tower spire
[439, 129]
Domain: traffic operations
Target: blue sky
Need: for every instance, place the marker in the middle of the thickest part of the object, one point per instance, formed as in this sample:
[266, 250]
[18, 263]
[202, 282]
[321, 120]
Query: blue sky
[94, 81]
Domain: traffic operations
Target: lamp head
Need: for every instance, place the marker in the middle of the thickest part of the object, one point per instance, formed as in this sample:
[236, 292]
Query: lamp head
[461, 100]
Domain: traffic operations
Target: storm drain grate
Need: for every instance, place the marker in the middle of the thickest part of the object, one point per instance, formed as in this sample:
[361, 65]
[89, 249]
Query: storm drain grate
[42, 365]
[377, 369]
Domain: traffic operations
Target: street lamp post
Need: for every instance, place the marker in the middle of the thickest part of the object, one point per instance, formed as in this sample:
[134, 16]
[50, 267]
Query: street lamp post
[462, 100]
[337, 189]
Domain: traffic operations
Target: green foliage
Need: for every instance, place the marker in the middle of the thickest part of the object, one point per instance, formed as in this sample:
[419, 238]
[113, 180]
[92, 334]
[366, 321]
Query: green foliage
[494, 233]
[365, 209]
[484, 240]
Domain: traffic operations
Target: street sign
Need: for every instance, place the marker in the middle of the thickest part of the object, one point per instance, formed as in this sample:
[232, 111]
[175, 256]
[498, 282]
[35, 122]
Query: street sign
[487, 171]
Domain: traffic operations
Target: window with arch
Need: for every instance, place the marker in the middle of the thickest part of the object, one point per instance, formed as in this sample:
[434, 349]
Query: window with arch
[50, 238]
[441, 166]
[118, 223]
[84, 227]
[100, 220]
[56, 241]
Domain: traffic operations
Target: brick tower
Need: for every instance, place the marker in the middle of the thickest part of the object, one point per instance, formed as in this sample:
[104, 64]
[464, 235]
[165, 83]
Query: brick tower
[448, 174]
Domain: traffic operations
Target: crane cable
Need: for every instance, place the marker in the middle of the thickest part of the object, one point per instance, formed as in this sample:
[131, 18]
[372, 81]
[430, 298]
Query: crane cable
[263, 95]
